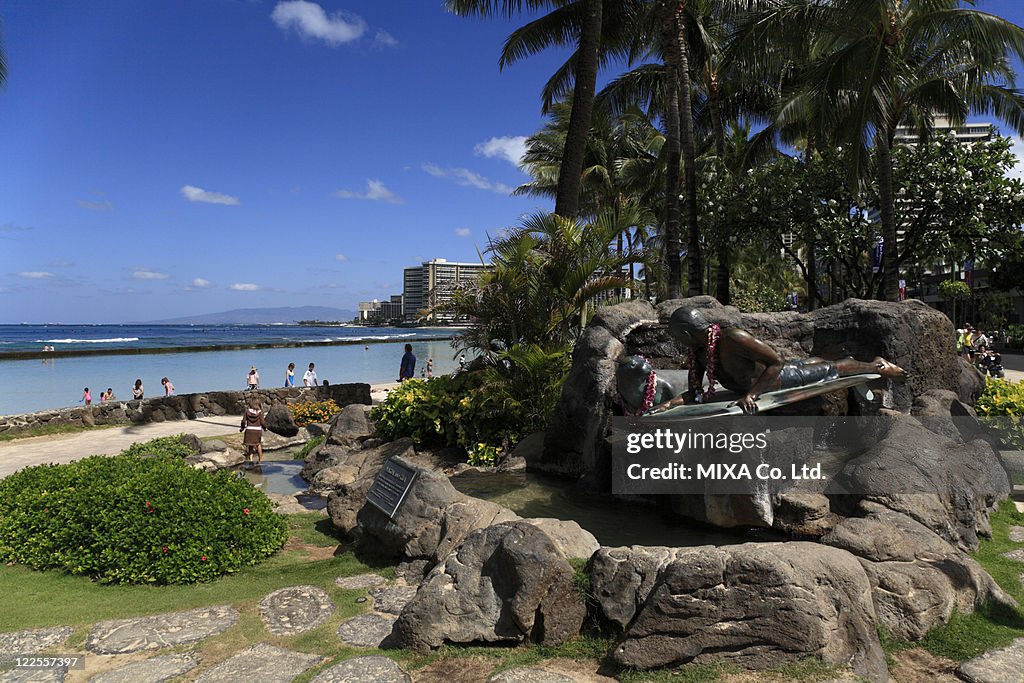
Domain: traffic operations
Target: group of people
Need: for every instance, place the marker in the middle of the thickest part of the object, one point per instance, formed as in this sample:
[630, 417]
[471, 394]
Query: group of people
[309, 379]
[976, 346]
[105, 396]
[138, 392]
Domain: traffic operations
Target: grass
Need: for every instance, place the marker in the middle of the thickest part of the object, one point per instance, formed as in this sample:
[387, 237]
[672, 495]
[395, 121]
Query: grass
[47, 430]
[310, 446]
[994, 626]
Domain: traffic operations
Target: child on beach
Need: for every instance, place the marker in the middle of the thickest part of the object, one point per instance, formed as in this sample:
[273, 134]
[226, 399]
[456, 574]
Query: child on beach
[168, 387]
[253, 379]
[252, 425]
[289, 375]
[86, 396]
[137, 391]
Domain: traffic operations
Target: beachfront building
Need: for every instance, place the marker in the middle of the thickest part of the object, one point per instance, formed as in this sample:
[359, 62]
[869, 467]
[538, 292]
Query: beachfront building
[380, 312]
[430, 284]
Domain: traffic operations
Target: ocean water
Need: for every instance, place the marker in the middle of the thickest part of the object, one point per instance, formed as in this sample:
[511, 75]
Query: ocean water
[32, 385]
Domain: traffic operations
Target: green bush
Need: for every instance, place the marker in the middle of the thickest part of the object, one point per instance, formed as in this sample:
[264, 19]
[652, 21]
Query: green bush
[135, 519]
[171, 446]
[1002, 407]
[485, 412]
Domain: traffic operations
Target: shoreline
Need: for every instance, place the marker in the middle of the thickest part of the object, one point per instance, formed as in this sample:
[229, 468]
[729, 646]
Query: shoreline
[138, 351]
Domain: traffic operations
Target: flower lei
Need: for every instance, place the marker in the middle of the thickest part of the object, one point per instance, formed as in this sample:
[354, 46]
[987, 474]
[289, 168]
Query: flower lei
[714, 333]
[652, 379]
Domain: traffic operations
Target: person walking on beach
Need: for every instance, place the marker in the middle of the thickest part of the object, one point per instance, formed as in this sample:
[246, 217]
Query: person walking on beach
[289, 375]
[253, 379]
[408, 368]
[309, 379]
[430, 368]
[138, 393]
[168, 387]
[252, 425]
[86, 396]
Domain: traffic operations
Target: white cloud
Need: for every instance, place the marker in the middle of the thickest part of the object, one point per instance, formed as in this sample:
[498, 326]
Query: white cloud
[510, 148]
[201, 283]
[462, 232]
[146, 274]
[197, 194]
[384, 39]
[341, 257]
[244, 287]
[62, 264]
[105, 205]
[309, 20]
[35, 274]
[375, 191]
[467, 178]
[1017, 148]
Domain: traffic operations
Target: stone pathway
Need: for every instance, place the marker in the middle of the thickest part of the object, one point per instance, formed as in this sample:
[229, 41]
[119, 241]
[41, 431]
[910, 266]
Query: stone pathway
[392, 599]
[162, 630]
[263, 663]
[154, 670]
[1017, 555]
[1017, 534]
[529, 675]
[294, 610]
[360, 581]
[31, 641]
[997, 666]
[369, 669]
[33, 676]
[367, 630]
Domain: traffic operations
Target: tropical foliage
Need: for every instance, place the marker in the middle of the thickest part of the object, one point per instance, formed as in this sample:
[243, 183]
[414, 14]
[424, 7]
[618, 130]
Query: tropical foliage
[308, 412]
[1001, 406]
[160, 521]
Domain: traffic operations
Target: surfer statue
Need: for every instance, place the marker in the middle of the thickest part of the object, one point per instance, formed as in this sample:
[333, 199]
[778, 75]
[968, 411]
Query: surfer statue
[747, 366]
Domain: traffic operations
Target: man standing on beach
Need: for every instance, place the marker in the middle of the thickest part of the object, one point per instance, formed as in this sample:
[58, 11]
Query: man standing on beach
[408, 368]
[309, 379]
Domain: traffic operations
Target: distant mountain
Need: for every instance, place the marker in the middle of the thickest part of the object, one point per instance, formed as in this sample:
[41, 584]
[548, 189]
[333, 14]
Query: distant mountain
[263, 316]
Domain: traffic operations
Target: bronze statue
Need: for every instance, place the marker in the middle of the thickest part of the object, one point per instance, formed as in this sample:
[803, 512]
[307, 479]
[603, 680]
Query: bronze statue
[746, 365]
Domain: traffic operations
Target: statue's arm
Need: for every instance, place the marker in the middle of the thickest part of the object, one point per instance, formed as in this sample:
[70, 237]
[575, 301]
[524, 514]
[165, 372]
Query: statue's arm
[755, 350]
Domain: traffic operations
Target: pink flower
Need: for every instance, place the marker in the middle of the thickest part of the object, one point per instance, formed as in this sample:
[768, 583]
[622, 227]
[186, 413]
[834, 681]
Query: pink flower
[245, 511]
[203, 558]
[165, 549]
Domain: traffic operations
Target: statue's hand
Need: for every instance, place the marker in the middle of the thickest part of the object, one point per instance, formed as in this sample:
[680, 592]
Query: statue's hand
[662, 407]
[748, 404]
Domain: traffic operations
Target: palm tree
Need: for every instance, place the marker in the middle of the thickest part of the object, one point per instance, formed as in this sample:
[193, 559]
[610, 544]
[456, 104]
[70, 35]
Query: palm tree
[579, 20]
[880, 64]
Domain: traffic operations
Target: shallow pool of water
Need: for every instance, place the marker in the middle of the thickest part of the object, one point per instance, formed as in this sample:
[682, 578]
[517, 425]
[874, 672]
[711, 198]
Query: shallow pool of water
[275, 476]
[613, 523]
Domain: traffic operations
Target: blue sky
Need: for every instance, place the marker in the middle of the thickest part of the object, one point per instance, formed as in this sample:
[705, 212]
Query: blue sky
[163, 158]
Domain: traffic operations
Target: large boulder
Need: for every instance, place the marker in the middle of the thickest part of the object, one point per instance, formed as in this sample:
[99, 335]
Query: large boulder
[758, 605]
[909, 333]
[347, 499]
[280, 420]
[945, 484]
[350, 426]
[917, 578]
[432, 520]
[504, 583]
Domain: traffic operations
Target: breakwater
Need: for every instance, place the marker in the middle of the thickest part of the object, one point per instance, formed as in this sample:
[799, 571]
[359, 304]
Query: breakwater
[182, 407]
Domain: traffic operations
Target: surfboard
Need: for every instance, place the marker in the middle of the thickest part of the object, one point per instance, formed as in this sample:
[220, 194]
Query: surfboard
[767, 402]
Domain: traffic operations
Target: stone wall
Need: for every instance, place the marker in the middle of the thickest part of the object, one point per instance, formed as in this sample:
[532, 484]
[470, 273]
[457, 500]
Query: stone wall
[182, 407]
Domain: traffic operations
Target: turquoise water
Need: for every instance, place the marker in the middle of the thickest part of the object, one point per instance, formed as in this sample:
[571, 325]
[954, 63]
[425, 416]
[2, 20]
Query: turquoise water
[32, 385]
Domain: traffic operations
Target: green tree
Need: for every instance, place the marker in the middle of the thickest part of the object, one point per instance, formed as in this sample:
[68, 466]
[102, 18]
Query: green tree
[578, 22]
[953, 291]
[542, 283]
[879, 64]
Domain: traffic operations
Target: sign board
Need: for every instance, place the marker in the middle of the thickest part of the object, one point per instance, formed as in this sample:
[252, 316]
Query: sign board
[391, 486]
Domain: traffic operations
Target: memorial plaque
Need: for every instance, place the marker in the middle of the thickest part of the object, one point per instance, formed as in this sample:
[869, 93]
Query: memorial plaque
[391, 486]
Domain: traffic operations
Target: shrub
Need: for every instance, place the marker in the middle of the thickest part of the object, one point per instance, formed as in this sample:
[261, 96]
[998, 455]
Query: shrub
[134, 519]
[485, 412]
[171, 446]
[319, 411]
[1002, 407]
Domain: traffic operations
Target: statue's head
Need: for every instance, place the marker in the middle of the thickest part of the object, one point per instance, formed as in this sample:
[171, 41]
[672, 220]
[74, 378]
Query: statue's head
[688, 326]
[631, 376]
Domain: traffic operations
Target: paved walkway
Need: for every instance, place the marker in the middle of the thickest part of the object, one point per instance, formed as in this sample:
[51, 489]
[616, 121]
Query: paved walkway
[61, 448]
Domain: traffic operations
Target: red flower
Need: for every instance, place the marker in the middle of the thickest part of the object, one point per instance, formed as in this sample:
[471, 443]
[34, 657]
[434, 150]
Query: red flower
[165, 549]
[245, 511]
[148, 504]
[203, 558]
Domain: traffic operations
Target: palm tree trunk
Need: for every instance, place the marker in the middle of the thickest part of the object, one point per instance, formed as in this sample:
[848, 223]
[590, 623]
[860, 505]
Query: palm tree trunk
[693, 256]
[890, 258]
[670, 52]
[722, 273]
[567, 199]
